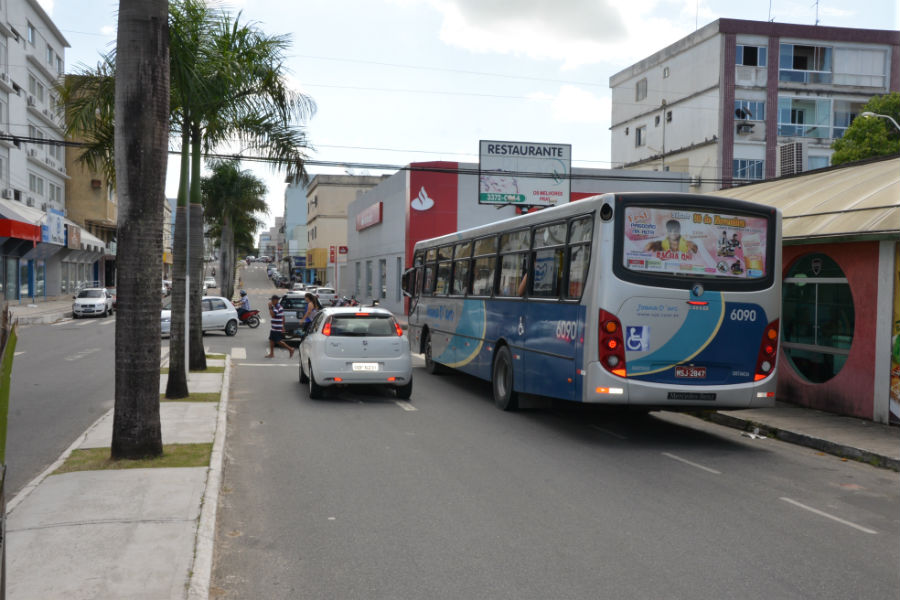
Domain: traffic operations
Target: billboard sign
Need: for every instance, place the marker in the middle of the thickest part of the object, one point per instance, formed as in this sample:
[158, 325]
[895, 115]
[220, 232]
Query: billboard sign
[524, 173]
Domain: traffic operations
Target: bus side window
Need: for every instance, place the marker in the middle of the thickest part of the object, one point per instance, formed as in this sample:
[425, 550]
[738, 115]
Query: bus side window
[442, 283]
[513, 268]
[460, 277]
[428, 284]
[580, 235]
[579, 259]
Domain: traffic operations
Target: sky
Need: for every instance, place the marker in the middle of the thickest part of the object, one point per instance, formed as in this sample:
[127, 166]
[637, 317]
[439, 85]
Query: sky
[401, 81]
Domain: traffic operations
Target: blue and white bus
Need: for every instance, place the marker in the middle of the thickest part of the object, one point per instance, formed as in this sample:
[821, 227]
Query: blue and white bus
[646, 300]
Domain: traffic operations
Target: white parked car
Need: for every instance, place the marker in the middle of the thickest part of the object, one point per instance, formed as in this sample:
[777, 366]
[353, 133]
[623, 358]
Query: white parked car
[218, 315]
[355, 346]
[326, 295]
[92, 301]
[298, 286]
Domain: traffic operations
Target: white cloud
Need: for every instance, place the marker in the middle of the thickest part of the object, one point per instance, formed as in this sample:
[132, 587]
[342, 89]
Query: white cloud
[575, 105]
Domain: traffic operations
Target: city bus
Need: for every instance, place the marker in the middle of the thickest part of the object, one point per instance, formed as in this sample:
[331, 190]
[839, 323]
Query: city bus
[642, 300]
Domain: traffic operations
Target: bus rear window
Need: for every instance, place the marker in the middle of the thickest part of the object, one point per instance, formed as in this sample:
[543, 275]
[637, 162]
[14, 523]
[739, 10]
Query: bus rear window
[694, 243]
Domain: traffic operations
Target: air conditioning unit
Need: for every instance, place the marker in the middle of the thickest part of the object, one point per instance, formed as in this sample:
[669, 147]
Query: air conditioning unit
[32, 152]
[44, 207]
[792, 158]
[30, 201]
[61, 170]
[46, 112]
[7, 193]
[49, 162]
[4, 76]
[31, 101]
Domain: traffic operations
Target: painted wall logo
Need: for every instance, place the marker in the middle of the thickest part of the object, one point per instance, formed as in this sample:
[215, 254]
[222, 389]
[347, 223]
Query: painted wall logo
[422, 201]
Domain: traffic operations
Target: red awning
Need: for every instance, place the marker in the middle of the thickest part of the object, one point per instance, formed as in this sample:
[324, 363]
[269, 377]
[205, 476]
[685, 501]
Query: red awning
[19, 230]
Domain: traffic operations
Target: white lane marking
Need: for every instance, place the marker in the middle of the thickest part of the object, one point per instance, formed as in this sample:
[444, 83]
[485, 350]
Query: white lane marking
[107, 321]
[608, 432]
[693, 464]
[405, 405]
[18, 353]
[63, 322]
[827, 516]
[82, 354]
[268, 364]
[82, 323]
[239, 353]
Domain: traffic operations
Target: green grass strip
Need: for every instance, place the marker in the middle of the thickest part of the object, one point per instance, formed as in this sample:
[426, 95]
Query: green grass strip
[216, 356]
[174, 455]
[195, 397]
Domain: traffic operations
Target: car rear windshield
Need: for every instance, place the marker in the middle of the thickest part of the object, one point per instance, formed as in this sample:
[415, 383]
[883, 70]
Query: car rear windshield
[293, 303]
[357, 325]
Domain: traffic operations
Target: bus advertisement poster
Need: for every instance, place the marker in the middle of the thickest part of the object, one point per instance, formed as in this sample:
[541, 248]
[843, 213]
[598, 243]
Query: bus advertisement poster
[697, 242]
[524, 173]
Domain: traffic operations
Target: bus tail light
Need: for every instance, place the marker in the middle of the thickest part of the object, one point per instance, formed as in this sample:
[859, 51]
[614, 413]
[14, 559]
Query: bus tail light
[768, 351]
[612, 344]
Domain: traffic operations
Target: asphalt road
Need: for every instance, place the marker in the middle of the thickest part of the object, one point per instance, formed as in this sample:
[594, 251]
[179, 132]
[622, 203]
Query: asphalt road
[361, 496]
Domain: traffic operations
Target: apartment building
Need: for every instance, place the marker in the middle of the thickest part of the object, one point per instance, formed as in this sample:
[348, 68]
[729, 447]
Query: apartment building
[739, 101]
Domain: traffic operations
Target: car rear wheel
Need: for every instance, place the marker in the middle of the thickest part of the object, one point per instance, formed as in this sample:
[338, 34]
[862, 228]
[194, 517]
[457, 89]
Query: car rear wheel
[303, 377]
[405, 391]
[502, 380]
[315, 390]
[231, 327]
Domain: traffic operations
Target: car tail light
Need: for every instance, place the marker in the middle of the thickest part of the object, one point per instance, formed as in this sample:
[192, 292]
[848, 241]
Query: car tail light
[768, 351]
[398, 328]
[612, 344]
[326, 328]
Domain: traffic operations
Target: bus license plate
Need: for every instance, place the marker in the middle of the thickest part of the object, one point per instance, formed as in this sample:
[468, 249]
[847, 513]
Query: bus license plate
[365, 366]
[691, 372]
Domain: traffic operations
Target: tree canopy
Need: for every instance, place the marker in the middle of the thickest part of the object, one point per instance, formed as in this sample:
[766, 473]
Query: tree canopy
[870, 136]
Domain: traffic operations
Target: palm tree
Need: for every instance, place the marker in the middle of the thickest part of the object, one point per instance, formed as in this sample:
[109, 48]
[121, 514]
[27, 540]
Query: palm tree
[228, 85]
[231, 198]
[235, 91]
[142, 111]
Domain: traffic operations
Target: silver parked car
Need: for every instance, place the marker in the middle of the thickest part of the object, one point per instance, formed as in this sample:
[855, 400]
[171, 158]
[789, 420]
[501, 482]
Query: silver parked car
[218, 315]
[92, 301]
[362, 345]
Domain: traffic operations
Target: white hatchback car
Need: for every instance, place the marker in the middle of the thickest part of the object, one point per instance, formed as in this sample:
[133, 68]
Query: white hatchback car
[218, 314]
[326, 295]
[361, 345]
[92, 301]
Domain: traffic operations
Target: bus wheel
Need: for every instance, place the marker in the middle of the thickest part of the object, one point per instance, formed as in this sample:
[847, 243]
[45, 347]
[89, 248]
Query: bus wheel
[502, 380]
[431, 366]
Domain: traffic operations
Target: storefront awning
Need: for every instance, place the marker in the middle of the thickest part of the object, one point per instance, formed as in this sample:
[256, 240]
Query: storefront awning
[19, 221]
[859, 201]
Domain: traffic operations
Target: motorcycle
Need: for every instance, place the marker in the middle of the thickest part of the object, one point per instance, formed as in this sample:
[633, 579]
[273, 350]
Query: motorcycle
[250, 319]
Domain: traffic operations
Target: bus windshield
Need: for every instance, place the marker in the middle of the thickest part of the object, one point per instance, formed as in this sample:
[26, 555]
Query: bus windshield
[694, 243]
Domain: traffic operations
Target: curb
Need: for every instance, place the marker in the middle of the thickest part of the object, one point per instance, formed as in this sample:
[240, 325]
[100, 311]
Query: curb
[800, 439]
[201, 570]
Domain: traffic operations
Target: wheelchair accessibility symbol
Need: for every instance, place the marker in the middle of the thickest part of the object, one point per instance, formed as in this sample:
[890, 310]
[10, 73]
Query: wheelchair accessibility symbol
[637, 339]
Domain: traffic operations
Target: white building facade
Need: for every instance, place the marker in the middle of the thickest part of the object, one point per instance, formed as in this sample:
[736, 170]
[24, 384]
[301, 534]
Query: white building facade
[740, 101]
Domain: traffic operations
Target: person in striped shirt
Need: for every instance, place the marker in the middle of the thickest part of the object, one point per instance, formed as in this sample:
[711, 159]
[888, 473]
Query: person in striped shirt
[276, 334]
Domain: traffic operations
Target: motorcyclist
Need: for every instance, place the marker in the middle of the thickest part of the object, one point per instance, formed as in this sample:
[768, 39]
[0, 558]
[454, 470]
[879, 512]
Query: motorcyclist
[243, 306]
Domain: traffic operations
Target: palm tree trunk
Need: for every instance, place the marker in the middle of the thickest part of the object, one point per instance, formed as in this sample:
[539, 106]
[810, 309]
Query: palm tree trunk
[227, 258]
[176, 384]
[197, 359]
[142, 109]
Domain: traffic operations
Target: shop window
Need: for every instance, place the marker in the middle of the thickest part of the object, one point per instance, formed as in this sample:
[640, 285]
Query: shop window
[818, 317]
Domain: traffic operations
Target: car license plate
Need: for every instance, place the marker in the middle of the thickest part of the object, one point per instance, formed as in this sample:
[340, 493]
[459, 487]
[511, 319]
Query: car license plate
[690, 372]
[365, 366]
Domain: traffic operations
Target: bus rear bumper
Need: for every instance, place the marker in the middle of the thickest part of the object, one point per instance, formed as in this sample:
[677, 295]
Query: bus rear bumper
[601, 387]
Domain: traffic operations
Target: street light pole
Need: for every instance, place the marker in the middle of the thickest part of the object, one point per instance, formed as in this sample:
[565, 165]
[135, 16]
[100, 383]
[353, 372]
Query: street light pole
[888, 117]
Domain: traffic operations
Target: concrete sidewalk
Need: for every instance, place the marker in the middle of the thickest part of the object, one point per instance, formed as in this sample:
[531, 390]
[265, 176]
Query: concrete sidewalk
[131, 533]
